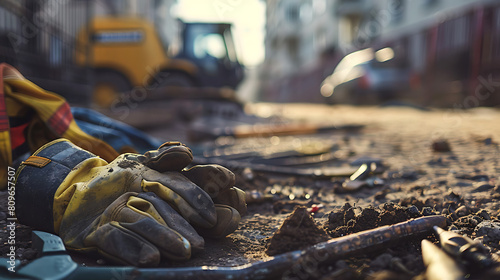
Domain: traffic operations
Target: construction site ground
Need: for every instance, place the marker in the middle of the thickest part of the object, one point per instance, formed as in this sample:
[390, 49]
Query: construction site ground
[442, 161]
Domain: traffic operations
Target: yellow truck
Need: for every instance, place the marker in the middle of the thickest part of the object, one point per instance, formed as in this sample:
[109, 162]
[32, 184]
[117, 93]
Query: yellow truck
[127, 52]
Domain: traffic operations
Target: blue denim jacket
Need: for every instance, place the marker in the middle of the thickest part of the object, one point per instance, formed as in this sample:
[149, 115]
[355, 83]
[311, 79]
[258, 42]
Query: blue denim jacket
[117, 134]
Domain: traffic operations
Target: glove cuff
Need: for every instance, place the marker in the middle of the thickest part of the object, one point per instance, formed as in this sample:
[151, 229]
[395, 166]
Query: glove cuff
[38, 178]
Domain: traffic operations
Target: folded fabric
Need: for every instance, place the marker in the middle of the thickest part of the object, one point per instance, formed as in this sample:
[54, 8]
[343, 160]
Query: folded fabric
[120, 136]
[30, 117]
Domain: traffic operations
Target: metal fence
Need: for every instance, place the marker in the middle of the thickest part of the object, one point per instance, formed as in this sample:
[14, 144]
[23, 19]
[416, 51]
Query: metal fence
[38, 38]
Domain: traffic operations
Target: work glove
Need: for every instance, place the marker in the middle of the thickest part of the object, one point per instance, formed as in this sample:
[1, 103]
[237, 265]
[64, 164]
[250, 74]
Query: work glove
[133, 210]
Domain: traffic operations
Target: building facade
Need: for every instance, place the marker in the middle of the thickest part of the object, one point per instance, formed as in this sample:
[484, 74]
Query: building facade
[457, 40]
[301, 36]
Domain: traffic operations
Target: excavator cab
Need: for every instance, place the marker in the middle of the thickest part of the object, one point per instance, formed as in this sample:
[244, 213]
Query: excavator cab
[210, 46]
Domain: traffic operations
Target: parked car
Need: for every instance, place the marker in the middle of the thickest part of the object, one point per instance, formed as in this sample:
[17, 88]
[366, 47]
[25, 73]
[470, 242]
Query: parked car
[367, 77]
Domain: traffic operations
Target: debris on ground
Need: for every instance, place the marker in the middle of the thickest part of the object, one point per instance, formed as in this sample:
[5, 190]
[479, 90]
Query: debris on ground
[297, 232]
[441, 145]
[300, 178]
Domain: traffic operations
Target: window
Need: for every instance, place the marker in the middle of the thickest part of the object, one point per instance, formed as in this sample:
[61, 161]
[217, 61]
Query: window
[209, 45]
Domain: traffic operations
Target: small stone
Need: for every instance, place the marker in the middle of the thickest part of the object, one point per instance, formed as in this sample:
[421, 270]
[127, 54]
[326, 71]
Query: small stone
[489, 230]
[462, 211]
[441, 145]
[427, 211]
[473, 222]
[483, 214]
[413, 211]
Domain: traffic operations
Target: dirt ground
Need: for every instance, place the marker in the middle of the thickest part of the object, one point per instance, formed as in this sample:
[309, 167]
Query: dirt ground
[429, 162]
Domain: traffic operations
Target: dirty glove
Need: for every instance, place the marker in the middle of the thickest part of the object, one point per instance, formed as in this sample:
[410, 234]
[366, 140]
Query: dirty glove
[133, 210]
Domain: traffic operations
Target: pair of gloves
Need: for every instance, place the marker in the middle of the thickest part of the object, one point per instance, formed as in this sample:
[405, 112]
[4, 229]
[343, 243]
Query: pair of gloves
[134, 210]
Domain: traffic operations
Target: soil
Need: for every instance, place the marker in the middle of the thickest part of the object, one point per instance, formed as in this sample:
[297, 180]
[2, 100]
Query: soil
[297, 232]
[433, 162]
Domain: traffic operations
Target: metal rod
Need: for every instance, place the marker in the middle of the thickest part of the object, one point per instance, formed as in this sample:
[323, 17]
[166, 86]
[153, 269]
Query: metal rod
[301, 260]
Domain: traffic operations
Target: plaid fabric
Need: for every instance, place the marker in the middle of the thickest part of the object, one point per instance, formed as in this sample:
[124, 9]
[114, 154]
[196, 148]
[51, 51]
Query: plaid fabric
[18, 127]
[53, 111]
[61, 119]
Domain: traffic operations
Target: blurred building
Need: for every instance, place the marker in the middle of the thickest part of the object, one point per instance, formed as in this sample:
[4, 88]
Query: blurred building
[301, 37]
[298, 32]
[452, 44]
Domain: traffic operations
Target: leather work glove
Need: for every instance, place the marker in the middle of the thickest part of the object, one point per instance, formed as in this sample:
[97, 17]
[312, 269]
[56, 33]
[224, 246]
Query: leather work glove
[133, 210]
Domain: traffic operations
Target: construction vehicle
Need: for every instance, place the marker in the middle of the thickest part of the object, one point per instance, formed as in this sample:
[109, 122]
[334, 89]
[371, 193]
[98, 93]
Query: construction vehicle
[128, 52]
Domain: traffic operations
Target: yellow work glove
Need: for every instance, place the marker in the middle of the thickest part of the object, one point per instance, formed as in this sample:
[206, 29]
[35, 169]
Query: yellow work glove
[134, 210]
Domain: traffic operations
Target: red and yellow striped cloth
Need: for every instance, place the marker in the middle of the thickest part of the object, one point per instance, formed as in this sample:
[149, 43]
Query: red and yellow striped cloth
[31, 117]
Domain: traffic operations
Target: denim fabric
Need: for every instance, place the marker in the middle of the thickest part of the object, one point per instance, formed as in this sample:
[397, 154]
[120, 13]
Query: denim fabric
[36, 186]
[113, 132]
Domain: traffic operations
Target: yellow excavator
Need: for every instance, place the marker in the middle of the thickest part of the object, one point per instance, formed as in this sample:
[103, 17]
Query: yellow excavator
[127, 52]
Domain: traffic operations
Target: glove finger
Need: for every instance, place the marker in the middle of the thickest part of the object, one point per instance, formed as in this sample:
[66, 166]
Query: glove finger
[141, 217]
[128, 208]
[212, 178]
[171, 156]
[150, 224]
[174, 220]
[218, 182]
[233, 197]
[123, 246]
[188, 199]
[170, 243]
[228, 220]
